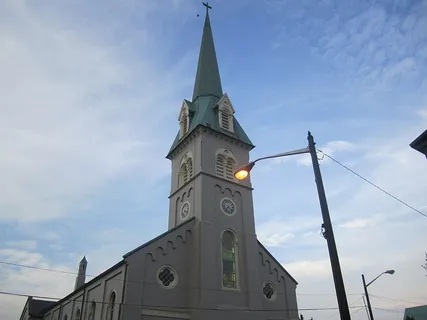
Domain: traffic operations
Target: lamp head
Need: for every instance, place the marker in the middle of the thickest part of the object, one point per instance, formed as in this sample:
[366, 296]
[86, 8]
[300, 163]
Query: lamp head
[389, 271]
[242, 172]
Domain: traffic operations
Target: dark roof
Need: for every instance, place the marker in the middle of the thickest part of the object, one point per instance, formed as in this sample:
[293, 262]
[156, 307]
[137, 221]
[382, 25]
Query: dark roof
[36, 307]
[417, 313]
[280, 265]
[122, 262]
[158, 237]
[420, 143]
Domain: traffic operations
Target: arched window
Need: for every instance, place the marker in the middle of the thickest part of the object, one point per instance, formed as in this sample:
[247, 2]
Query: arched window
[229, 271]
[92, 311]
[186, 170]
[77, 315]
[184, 122]
[111, 306]
[225, 164]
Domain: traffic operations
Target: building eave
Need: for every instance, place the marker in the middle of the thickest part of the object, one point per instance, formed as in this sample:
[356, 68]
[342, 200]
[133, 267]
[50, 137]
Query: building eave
[420, 143]
[194, 131]
[280, 265]
[158, 237]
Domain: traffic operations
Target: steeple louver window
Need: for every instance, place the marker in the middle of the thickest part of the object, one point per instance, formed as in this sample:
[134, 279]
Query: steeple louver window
[226, 116]
[220, 159]
[186, 170]
[229, 167]
[184, 122]
[225, 164]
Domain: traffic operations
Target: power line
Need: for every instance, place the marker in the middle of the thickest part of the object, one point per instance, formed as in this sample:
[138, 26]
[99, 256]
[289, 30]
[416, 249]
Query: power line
[396, 300]
[147, 282]
[164, 306]
[361, 308]
[330, 317]
[374, 185]
[389, 310]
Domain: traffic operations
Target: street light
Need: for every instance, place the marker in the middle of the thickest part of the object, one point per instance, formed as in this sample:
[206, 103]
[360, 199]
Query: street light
[328, 233]
[365, 286]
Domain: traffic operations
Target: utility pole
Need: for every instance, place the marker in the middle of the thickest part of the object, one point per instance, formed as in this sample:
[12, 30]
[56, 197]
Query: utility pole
[329, 234]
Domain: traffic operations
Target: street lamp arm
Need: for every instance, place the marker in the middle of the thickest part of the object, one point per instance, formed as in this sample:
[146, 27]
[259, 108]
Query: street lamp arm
[284, 154]
[375, 279]
[387, 271]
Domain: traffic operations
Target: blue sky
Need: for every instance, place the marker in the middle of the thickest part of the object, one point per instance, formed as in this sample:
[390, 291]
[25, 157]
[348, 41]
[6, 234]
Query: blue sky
[90, 94]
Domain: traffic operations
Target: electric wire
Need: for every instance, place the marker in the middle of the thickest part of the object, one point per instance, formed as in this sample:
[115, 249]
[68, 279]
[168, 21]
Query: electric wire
[149, 282]
[397, 300]
[335, 314]
[373, 184]
[168, 306]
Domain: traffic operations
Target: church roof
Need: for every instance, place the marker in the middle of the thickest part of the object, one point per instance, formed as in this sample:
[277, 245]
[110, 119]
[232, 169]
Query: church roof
[36, 306]
[208, 81]
[420, 143]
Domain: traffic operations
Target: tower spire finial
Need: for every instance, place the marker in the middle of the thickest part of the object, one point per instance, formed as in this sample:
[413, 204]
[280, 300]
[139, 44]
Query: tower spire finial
[206, 4]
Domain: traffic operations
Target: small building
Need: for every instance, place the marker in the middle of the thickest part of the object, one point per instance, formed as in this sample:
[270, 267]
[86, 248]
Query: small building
[34, 308]
[420, 143]
[209, 265]
[416, 313]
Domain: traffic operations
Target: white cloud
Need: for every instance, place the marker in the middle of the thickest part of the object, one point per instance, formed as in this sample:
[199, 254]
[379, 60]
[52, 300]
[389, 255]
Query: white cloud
[423, 113]
[275, 239]
[67, 125]
[357, 224]
[309, 269]
[30, 281]
[23, 244]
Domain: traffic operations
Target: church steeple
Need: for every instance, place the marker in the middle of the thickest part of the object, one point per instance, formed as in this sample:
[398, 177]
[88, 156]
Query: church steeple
[208, 81]
[210, 107]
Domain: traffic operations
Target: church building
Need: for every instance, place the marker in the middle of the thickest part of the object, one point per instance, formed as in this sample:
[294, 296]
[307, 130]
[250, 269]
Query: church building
[209, 265]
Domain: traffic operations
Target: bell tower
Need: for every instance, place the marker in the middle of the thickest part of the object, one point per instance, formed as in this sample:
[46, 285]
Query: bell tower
[209, 146]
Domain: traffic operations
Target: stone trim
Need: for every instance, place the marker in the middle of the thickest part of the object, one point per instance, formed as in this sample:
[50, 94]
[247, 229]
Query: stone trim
[165, 313]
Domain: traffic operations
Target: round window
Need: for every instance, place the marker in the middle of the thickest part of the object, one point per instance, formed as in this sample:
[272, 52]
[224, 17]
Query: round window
[167, 277]
[185, 210]
[269, 291]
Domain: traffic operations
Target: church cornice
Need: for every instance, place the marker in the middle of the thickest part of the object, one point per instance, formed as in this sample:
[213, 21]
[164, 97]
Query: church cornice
[188, 184]
[203, 129]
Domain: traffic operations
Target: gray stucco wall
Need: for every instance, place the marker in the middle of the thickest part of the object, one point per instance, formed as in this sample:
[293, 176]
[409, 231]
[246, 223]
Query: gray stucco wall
[143, 288]
[97, 291]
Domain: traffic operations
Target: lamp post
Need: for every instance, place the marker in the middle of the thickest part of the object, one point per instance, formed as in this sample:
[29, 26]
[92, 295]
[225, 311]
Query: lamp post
[242, 172]
[365, 286]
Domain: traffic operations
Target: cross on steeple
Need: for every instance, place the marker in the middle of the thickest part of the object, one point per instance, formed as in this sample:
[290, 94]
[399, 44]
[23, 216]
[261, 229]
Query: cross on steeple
[206, 4]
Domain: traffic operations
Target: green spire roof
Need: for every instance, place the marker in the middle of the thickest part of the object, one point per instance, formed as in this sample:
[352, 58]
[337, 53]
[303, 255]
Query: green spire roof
[207, 93]
[208, 81]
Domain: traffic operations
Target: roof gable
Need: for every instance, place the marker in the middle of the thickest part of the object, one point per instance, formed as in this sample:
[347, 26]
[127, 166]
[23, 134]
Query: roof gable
[278, 263]
[159, 237]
